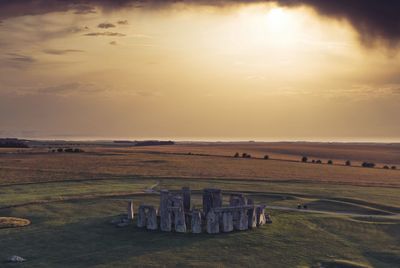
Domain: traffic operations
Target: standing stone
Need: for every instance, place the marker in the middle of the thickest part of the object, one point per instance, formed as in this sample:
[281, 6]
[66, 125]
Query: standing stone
[151, 223]
[227, 221]
[261, 220]
[212, 198]
[212, 222]
[179, 214]
[180, 223]
[196, 222]
[252, 217]
[243, 220]
[131, 211]
[165, 214]
[237, 200]
[186, 198]
[141, 220]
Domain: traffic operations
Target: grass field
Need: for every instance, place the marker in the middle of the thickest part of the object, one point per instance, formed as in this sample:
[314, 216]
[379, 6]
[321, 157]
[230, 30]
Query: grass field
[352, 218]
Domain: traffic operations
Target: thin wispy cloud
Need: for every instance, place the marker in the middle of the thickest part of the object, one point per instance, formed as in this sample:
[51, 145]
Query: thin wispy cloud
[61, 51]
[123, 22]
[105, 34]
[105, 25]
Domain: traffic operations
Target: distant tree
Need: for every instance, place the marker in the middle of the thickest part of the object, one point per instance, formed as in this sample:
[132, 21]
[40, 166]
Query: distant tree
[248, 156]
[330, 162]
[304, 159]
[60, 150]
[386, 167]
[393, 167]
[348, 163]
[313, 161]
[318, 161]
[266, 157]
[244, 155]
[69, 150]
[368, 164]
[236, 155]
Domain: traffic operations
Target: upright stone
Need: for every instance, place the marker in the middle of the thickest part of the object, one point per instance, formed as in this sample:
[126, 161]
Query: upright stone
[196, 222]
[151, 221]
[243, 220]
[252, 217]
[131, 211]
[212, 222]
[186, 199]
[179, 215]
[165, 214]
[227, 221]
[237, 200]
[212, 198]
[261, 220]
[141, 220]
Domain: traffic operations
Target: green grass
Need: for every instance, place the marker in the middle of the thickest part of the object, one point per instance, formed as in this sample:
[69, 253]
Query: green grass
[77, 233]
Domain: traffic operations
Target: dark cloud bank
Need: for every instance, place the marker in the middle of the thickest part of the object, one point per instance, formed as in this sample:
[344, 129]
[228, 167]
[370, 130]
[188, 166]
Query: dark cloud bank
[374, 20]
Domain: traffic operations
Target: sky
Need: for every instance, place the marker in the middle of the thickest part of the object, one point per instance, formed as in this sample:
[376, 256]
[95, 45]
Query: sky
[200, 70]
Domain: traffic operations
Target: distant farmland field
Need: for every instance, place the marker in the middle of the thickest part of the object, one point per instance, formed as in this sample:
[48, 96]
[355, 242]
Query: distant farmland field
[33, 165]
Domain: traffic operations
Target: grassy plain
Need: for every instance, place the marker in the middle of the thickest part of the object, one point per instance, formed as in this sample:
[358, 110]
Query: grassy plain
[71, 198]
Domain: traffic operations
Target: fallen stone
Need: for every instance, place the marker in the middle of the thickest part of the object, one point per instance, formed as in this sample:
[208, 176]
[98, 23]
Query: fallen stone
[122, 224]
[16, 259]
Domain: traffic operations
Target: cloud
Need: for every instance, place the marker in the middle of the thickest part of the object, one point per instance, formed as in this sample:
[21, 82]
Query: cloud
[120, 22]
[84, 9]
[105, 34]
[105, 25]
[20, 58]
[61, 51]
[373, 20]
[67, 89]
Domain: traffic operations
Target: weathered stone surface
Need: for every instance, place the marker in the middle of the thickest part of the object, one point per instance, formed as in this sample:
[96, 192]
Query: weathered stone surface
[122, 224]
[179, 214]
[141, 220]
[252, 217]
[268, 218]
[243, 220]
[196, 222]
[165, 214]
[151, 219]
[186, 198]
[261, 220]
[212, 222]
[237, 200]
[16, 259]
[212, 198]
[227, 221]
[131, 211]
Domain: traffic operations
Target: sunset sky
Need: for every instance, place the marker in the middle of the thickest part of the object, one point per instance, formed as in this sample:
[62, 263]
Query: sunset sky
[199, 70]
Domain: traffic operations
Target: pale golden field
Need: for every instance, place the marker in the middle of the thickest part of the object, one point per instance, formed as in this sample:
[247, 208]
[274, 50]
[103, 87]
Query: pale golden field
[33, 165]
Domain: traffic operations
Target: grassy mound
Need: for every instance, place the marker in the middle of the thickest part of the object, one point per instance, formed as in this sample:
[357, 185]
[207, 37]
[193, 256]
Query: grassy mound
[10, 222]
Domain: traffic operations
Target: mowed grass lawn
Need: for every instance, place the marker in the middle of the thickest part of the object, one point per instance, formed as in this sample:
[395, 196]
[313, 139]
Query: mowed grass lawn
[78, 233]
